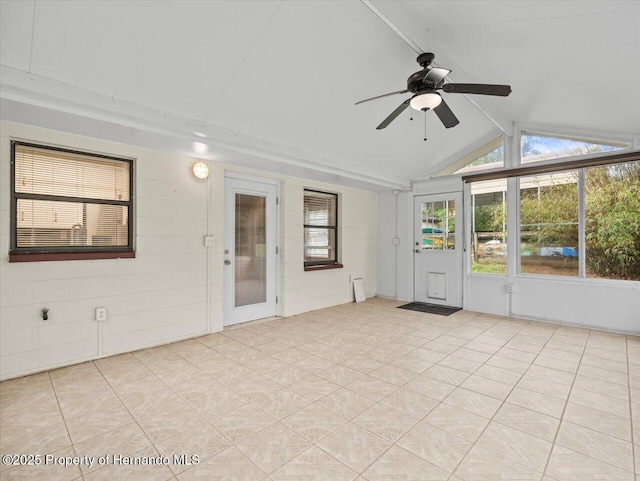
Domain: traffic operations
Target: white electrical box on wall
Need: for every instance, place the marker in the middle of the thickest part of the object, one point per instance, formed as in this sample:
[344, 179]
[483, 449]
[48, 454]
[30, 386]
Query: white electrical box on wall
[101, 314]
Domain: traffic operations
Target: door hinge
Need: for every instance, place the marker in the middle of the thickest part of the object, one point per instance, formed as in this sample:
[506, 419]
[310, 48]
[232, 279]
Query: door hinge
[276, 299]
[277, 249]
[277, 200]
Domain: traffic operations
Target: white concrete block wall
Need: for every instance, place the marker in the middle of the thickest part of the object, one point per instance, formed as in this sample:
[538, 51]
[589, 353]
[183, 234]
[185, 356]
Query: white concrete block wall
[173, 289]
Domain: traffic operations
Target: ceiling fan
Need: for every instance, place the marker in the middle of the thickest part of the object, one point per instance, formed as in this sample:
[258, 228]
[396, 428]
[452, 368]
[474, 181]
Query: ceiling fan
[425, 83]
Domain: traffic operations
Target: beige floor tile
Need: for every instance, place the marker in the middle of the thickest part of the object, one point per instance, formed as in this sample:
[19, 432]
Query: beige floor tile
[272, 447]
[568, 465]
[313, 465]
[142, 403]
[516, 445]
[203, 441]
[314, 364]
[411, 363]
[228, 465]
[282, 403]
[528, 421]
[515, 365]
[427, 386]
[410, 403]
[551, 374]
[488, 387]
[346, 403]
[124, 441]
[398, 464]
[600, 402]
[537, 402]
[287, 375]
[457, 421]
[428, 355]
[29, 408]
[461, 364]
[485, 465]
[34, 439]
[354, 446]
[372, 387]
[314, 387]
[384, 421]
[393, 375]
[545, 386]
[49, 470]
[98, 422]
[77, 402]
[600, 421]
[254, 387]
[124, 472]
[473, 402]
[447, 374]
[164, 424]
[210, 397]
[362, 364]
[598, 372]
[340, 375]
[498, 374]
[596, 445]
[602, 387]
[436, 446]
[238, 424]
[291, 355]
[314, 422]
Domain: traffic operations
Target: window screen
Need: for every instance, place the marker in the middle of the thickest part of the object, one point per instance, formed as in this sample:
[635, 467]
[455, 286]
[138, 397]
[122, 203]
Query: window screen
[65, 201]
[320, 228]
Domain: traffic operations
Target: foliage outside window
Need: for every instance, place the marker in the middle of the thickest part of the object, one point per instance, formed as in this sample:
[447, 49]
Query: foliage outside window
[488, 156]
[320, 228]
[551, 230]
[612, 221]
[540, 147]
[438, 225]
[66, 202]
[549, 224]
[489, 227]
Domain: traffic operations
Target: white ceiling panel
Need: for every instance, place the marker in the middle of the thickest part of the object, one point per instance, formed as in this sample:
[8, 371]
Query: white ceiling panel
[16, 21]
[174, 56]
[313, 62]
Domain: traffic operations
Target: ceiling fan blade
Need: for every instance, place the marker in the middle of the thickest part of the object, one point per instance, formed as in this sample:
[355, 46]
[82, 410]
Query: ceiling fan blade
[385, 95]
[436, 74]
[481, 89]
[446, 116]
[392, 116]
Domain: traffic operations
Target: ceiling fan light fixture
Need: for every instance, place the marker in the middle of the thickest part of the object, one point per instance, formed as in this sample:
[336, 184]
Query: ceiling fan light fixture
[429, 100]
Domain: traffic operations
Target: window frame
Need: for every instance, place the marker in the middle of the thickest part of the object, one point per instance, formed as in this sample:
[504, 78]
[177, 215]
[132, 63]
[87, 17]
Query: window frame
[329, 264]
[34, 254]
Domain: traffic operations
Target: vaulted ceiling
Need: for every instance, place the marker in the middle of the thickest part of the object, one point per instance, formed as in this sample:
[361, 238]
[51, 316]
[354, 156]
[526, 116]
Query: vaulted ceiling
[272, 84]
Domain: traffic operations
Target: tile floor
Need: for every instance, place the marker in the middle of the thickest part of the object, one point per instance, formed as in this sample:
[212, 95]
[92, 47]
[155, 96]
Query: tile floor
[361, 392]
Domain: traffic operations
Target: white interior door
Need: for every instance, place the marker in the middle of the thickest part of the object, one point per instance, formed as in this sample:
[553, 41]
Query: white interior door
[250, 255]
[438, 249]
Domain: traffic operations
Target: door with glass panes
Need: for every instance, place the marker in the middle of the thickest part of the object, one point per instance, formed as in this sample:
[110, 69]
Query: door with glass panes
[437, 249]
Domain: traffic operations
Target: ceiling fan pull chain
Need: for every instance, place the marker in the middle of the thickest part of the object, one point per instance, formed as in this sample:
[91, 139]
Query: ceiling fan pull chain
[425, 125]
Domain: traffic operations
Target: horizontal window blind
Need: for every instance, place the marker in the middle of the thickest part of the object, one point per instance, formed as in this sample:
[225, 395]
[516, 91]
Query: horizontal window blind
[66, 201]
[320, 228]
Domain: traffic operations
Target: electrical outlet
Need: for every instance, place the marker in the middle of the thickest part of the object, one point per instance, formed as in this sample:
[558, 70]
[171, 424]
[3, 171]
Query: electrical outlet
[209, 241]
[396, 241]
[511, 288]
[101, 314]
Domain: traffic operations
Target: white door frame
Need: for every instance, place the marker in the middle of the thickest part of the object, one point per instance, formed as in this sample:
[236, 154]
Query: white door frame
[228, 278]
[459, 243]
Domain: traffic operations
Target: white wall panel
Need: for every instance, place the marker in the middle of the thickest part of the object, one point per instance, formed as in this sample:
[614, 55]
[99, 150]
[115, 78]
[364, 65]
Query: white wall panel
[173, 289]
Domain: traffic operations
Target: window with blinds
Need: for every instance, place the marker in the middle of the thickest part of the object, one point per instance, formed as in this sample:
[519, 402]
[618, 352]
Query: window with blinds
[320, 228]
[66, 201]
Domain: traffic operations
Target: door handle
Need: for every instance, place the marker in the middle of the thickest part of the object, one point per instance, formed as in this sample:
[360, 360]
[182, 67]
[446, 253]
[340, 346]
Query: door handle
[417, 251]
[227, 262]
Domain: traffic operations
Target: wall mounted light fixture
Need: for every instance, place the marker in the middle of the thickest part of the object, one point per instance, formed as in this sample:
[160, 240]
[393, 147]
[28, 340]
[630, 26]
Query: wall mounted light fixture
[200, 170]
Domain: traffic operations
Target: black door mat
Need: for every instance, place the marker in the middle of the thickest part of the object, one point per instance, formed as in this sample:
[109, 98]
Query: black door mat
[430, 308]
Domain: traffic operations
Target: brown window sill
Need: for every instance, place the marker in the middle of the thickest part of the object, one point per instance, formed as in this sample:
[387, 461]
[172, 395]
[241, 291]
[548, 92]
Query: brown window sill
[323, 267]
[69, 256]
